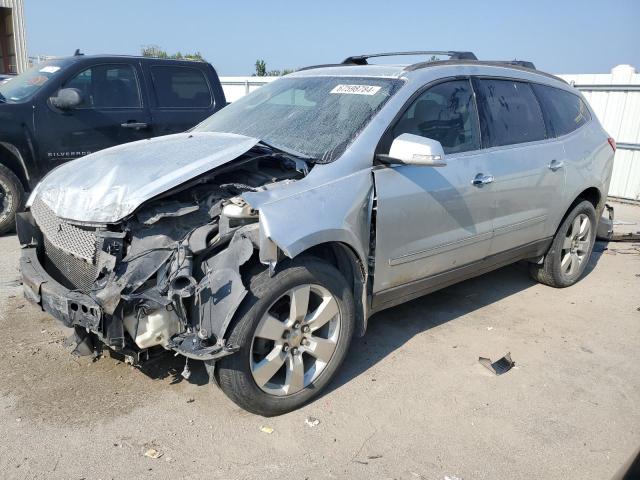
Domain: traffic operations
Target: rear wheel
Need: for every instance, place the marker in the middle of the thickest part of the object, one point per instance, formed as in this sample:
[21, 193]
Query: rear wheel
[570, 250]
[293, 331]
[11, 199]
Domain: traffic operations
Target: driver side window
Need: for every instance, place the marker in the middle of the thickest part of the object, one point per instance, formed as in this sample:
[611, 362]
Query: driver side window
[107, 86]
[447, 113]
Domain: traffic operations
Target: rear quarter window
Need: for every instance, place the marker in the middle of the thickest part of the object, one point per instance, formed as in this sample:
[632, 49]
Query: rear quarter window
[181, 87]
[509, 113]
[564, 111]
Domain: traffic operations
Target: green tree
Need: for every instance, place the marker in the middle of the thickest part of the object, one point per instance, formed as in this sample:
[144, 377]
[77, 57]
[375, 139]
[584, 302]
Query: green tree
[156, 52]
[153, 51]
[261, 68]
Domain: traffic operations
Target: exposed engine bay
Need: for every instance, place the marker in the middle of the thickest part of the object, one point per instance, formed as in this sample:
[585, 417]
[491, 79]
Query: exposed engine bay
[170, 274]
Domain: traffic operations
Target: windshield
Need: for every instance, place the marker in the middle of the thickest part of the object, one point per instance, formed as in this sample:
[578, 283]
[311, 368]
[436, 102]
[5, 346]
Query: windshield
[316, 117]
[28, 83]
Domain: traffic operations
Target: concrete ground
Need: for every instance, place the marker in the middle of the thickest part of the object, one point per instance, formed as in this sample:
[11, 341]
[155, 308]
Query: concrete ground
[411, 402]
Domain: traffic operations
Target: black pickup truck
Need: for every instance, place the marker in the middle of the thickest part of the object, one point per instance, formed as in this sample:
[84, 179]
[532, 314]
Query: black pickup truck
[67, 108]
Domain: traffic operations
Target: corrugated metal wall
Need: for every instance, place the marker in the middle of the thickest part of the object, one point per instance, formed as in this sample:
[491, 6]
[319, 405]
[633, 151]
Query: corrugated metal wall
[18, 32]
[614, 96]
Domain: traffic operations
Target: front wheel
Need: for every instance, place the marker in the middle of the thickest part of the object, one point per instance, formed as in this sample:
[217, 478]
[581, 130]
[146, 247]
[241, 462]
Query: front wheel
[570, 250]
[293, 331]
[11, 199]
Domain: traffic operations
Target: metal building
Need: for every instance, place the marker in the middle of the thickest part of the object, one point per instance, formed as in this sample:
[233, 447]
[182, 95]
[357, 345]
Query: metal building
[13, 46]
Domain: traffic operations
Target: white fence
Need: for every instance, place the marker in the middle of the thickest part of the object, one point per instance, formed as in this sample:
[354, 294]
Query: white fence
[236, 87]
[614, 96]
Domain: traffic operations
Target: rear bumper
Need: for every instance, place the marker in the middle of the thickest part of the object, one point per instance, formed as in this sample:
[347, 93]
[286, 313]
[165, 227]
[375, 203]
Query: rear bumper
[70, 307]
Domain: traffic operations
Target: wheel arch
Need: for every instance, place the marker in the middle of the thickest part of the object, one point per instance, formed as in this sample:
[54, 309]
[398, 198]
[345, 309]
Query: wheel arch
[346, 259]
[11, 158]
[592, 195]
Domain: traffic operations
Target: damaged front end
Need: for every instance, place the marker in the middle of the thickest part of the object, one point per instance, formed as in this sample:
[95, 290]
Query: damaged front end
[168, 275]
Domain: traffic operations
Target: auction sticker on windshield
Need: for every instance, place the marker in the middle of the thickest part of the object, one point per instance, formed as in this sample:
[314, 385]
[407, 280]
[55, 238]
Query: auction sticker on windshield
[356, 89]
[49, 69]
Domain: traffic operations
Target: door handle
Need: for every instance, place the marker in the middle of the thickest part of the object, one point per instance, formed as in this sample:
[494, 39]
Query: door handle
[135, 125]
[555, 165]
[482, 179]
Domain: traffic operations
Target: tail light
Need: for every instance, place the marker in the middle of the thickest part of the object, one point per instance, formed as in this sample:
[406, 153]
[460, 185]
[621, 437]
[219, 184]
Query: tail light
[612, 142]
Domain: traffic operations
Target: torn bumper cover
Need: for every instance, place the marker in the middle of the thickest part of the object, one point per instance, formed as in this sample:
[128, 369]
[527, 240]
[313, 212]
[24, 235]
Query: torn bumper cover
[69, 307]
[105, 312]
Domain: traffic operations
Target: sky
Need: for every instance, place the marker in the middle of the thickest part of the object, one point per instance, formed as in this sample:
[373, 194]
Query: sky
[558, 36]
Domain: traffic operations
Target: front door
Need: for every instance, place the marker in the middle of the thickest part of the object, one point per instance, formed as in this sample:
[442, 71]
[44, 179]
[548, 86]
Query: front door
[431, 220]
[112, 113]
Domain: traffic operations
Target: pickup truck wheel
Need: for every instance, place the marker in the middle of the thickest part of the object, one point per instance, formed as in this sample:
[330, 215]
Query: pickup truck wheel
[11, 199]
[293, 330]
[570, 250]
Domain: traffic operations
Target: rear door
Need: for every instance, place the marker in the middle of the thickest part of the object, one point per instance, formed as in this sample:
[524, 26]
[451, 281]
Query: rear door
[431, 220]
[565, 113]
[527, 164]
[113, 112]
[182, 96]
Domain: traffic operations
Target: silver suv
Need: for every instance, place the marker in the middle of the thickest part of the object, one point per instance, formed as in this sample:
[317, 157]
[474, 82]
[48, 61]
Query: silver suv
[262, 240]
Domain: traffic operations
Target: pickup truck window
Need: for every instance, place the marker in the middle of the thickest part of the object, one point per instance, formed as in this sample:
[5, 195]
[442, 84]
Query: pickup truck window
[107, 86]
[181, 87]
[27, 84]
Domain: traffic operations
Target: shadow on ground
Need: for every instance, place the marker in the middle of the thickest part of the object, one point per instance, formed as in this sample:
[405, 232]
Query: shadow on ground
[163, 364]
[389, 330]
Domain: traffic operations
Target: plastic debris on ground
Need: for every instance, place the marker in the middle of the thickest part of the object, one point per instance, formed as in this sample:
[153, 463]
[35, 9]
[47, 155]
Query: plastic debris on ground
[153, 453]
[500, 366]
[268, 430]
[312, 421]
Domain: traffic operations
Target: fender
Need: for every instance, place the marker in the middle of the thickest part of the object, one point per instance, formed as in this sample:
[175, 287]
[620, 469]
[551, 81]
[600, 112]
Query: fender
[337, 211]
[13, 150]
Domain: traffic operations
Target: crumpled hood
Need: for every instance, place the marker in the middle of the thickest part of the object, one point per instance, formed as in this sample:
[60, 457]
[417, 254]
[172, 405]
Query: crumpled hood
[106, 186]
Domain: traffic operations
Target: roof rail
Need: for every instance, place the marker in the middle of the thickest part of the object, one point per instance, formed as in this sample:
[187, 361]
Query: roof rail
[518, 63]
[453, 55]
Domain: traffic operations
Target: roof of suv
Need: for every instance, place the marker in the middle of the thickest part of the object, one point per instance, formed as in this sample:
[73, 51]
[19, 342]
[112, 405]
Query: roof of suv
[349, 68]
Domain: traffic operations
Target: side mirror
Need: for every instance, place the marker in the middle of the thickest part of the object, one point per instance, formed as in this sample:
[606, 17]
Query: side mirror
[409, 149]
[67, 99]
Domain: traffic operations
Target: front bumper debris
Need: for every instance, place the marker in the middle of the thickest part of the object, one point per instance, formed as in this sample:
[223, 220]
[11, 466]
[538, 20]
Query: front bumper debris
[69, 307]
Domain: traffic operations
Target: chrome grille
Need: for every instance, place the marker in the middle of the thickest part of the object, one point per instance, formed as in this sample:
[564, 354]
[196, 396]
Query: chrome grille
[70, 271]
[79, 242]
[70, 251]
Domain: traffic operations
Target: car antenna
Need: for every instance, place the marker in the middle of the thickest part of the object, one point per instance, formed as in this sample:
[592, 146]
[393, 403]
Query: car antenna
[78, 53]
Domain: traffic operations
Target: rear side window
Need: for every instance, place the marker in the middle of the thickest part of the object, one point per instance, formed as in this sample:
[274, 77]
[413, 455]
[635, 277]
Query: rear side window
[564, 111]
[107, 86]
[446, 112]
[181, 87]
[509, 113]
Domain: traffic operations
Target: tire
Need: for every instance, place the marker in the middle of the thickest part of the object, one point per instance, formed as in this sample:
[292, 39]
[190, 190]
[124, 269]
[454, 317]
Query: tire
[569, 254]
[12, 198]
[256, 330]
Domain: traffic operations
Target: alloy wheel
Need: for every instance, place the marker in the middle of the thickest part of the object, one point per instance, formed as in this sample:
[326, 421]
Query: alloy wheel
[6, 201]
[576, 245]
[295, 340]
